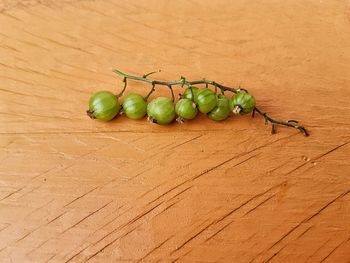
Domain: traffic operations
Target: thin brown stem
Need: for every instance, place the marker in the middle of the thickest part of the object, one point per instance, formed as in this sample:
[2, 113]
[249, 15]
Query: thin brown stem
[288, 123]
[172, 92]
[150, 92]
[124, 88]
[148, 74]
[192, 94]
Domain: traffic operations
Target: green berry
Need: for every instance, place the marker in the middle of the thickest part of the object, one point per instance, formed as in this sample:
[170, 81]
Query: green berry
[206, 100]
[242, 103]
[103, 105]
[161, 110]
[186, 109]
[188, 93]
[222, 110]
[134, 106]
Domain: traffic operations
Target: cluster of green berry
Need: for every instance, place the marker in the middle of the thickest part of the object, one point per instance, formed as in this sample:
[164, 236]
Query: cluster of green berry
[104, 105]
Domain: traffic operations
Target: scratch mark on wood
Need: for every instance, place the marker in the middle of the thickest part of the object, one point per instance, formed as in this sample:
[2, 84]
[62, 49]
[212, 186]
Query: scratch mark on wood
[79, 197]
[40, 207]
[249, 200]
[50, 258]
[30, 191]
[170, 206]
[89, 215]
[274, 255]
[332, 150]
[303, 233]
[190, 140]
[79, 77]
[28, 43]
[44, 172]
[239, 207]
[260, 204]
[144, 171]
[129, 223]
[184, 255]
[165, 193]
[109, 244]
[11, 194]
[23, 237]
[143, 214]
[155, 248]
[76, 254]
[11, 16]
[328, 204]
[334, 249]
[151, 190]
[58, 43]
[307, 219]
[24, 94]
[29, 71]
[192, 237]
[57, 217]
[245, 160]
[183, 191]
[317, 250]
[113, 219]
[237, 156]
[39, 246]
[318, 157]
[129, 232]
[92, 10]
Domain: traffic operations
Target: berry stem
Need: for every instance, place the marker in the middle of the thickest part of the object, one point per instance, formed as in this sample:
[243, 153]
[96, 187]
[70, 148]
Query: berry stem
[150, 92]
[284, 123]
[124, 88]
[172, 92]
[192, 94]
[183, 82]
[148, 74]
[90, 114]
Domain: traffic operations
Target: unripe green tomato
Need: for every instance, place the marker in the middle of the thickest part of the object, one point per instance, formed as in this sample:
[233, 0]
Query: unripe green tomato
[161, 110]
[222, 110]
[186, 109]
[188, 94]
[103, 105]
[134, 106]
[242, 103]
[206, 100]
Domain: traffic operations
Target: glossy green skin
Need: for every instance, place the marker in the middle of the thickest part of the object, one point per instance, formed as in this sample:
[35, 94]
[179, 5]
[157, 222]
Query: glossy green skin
[188, 94]
[186, 109]
[222, 110]
[206, 100]
[104, 105]
[245, 100]
[162, 110]
[134, 106]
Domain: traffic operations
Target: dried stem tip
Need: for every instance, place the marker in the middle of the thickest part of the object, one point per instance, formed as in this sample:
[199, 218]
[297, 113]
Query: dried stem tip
[237, 109]
[90, 114]
[180, 120]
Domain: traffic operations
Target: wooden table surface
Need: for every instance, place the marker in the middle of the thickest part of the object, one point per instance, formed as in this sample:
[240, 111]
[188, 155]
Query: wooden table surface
[76, 190]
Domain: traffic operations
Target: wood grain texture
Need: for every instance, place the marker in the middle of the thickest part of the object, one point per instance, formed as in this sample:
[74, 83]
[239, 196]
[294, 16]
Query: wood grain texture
[77, 190]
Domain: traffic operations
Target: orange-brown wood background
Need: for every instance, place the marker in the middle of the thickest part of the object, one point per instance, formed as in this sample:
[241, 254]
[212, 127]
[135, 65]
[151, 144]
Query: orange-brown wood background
[77, 190]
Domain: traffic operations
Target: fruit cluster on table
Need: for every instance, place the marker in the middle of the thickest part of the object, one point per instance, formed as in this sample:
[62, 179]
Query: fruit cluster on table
[105, 106]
